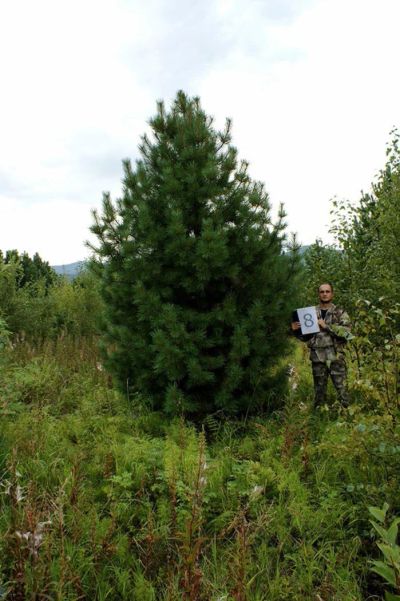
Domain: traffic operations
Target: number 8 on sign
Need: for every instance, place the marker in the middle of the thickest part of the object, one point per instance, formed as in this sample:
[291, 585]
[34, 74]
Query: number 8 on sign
[308, 320]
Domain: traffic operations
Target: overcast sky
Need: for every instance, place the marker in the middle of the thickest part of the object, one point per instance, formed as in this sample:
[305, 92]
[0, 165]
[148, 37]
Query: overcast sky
[312, 87]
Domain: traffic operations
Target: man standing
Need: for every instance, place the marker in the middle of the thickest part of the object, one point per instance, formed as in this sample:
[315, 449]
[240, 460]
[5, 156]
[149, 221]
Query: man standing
[327, 346]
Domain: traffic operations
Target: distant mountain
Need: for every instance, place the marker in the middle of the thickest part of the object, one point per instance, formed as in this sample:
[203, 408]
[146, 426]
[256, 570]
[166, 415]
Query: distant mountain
[71, 270]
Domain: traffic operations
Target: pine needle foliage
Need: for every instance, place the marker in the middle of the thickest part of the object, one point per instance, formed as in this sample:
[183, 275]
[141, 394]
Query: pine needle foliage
[193, 271]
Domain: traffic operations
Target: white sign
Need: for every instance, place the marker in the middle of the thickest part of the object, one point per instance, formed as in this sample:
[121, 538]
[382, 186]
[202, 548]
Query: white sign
[308, 320]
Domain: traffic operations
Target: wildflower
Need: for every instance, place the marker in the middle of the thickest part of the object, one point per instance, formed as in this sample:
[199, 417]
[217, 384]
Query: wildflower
[293, 377]
[257, 490]
[19, 496]
[33, 539]
[16, 492]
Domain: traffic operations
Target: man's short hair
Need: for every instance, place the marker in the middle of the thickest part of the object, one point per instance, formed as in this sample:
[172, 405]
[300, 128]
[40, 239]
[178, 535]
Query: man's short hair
[329, 284]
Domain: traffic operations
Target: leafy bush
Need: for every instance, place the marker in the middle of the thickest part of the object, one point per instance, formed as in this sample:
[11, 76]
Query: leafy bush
[4, 334]
[389, 567]
[42, 309]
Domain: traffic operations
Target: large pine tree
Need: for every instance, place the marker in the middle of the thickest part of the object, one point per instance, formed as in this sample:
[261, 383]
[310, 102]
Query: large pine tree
[197, 286]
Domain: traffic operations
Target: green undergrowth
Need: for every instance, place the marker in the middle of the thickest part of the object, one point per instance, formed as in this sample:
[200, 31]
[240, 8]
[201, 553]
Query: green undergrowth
[101, 499]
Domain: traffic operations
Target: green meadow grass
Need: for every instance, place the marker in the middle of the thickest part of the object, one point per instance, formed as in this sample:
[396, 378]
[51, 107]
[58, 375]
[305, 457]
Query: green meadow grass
[101, 499]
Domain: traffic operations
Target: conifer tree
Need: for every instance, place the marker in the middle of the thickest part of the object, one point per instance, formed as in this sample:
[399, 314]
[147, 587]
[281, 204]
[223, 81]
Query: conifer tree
[197, 286]
[31, 270]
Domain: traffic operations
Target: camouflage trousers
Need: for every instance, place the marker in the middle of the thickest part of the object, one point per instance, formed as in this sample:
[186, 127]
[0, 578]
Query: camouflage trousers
[338, 373]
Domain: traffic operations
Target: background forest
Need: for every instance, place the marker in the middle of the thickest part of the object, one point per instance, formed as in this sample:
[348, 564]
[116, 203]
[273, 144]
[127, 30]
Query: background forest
[126, 486]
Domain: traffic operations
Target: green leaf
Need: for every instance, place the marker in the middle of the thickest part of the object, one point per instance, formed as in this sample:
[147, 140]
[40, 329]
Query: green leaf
[385, 571]
[391, 597]
[392, 554]
[379, 514]
[381, 531]
[392, 531]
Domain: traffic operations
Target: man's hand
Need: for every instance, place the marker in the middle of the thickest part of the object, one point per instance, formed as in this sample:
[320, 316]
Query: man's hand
[296, 325]
[322, 324]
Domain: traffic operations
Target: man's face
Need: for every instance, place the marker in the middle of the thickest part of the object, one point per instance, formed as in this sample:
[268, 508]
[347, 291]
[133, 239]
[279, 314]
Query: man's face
[325, 293]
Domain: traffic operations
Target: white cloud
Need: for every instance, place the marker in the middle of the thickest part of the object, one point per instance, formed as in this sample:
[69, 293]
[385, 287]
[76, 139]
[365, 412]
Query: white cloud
[54, 229]
[314, 127]
[311, 85]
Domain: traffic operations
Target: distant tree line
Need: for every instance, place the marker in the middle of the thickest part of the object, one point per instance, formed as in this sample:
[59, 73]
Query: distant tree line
[30, 270]
[36, 303]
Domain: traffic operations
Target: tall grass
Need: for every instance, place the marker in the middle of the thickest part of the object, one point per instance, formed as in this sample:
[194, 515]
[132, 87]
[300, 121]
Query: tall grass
[101, 499]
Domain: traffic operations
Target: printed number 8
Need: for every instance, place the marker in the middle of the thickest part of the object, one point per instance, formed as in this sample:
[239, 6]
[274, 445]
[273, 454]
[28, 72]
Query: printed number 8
[308, 320]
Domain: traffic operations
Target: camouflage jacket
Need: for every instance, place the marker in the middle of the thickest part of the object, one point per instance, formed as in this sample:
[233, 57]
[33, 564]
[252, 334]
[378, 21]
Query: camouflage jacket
[328, 344]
